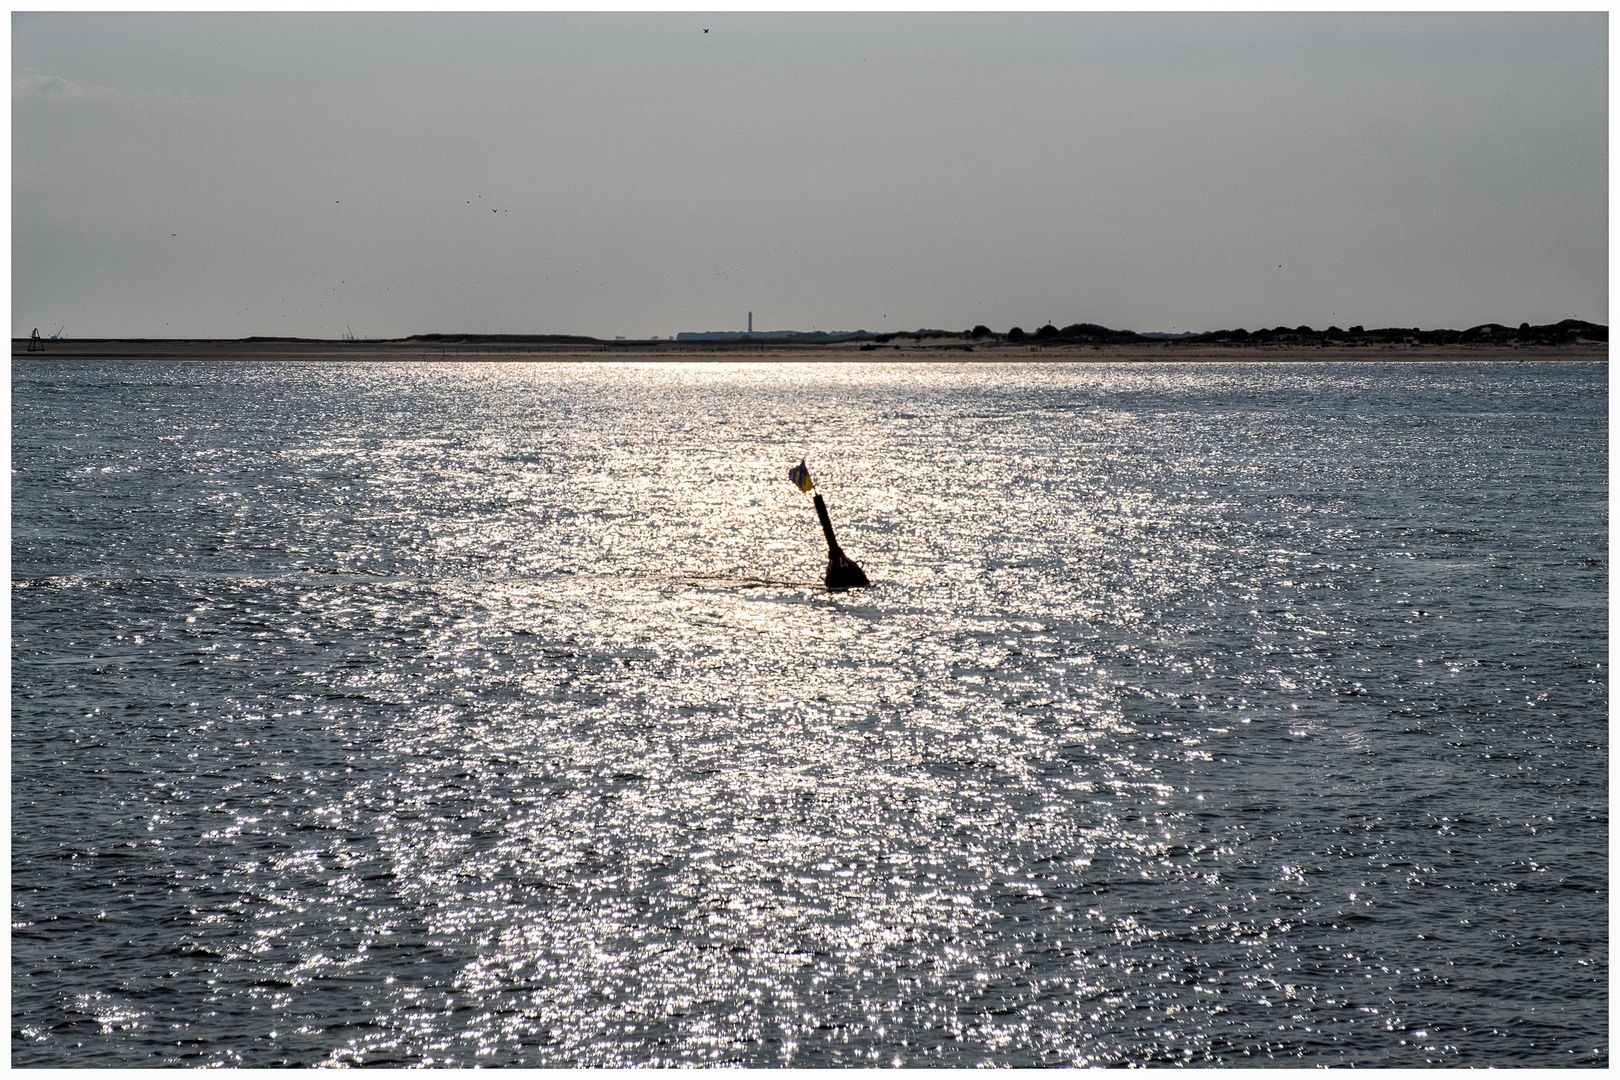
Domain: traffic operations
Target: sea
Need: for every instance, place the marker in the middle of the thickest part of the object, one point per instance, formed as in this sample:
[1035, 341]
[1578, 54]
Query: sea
[495, 714]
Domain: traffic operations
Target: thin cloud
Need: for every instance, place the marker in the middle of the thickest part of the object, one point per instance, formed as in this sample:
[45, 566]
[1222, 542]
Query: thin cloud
[27, 84]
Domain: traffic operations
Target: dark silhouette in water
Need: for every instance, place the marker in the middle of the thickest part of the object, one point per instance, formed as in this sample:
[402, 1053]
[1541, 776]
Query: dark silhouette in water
[842, 571]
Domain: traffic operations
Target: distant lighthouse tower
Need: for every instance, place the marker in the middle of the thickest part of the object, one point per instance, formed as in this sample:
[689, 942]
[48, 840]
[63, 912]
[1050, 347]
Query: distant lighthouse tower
[750, 322]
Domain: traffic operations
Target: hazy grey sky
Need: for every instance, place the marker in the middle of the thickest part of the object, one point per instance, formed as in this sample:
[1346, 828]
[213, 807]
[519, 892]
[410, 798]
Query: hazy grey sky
[225, 175]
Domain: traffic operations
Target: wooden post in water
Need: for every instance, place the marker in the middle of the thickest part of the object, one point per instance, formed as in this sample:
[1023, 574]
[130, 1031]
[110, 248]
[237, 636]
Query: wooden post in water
[842, 571]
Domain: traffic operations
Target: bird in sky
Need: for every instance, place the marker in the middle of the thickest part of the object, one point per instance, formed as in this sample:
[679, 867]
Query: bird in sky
[705, 31]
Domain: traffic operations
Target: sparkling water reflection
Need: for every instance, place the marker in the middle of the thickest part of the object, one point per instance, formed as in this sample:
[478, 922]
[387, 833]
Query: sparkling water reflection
[495, 715]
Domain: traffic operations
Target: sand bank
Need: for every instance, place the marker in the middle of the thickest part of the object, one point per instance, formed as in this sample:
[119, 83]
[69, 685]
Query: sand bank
[934, 350]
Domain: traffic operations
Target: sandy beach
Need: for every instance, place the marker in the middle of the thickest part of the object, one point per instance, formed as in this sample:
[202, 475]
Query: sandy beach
[933, 350]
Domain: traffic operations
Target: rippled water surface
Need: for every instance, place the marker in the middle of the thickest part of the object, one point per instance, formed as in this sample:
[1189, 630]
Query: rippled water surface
[410, 714]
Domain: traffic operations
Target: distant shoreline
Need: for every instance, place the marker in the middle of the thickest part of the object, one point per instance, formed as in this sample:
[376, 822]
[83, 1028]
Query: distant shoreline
[498, 350]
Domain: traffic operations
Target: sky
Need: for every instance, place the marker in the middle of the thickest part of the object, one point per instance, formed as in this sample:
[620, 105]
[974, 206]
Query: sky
[612, 174]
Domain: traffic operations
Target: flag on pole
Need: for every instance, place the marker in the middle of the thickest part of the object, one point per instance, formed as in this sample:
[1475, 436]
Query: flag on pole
[801, 476]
